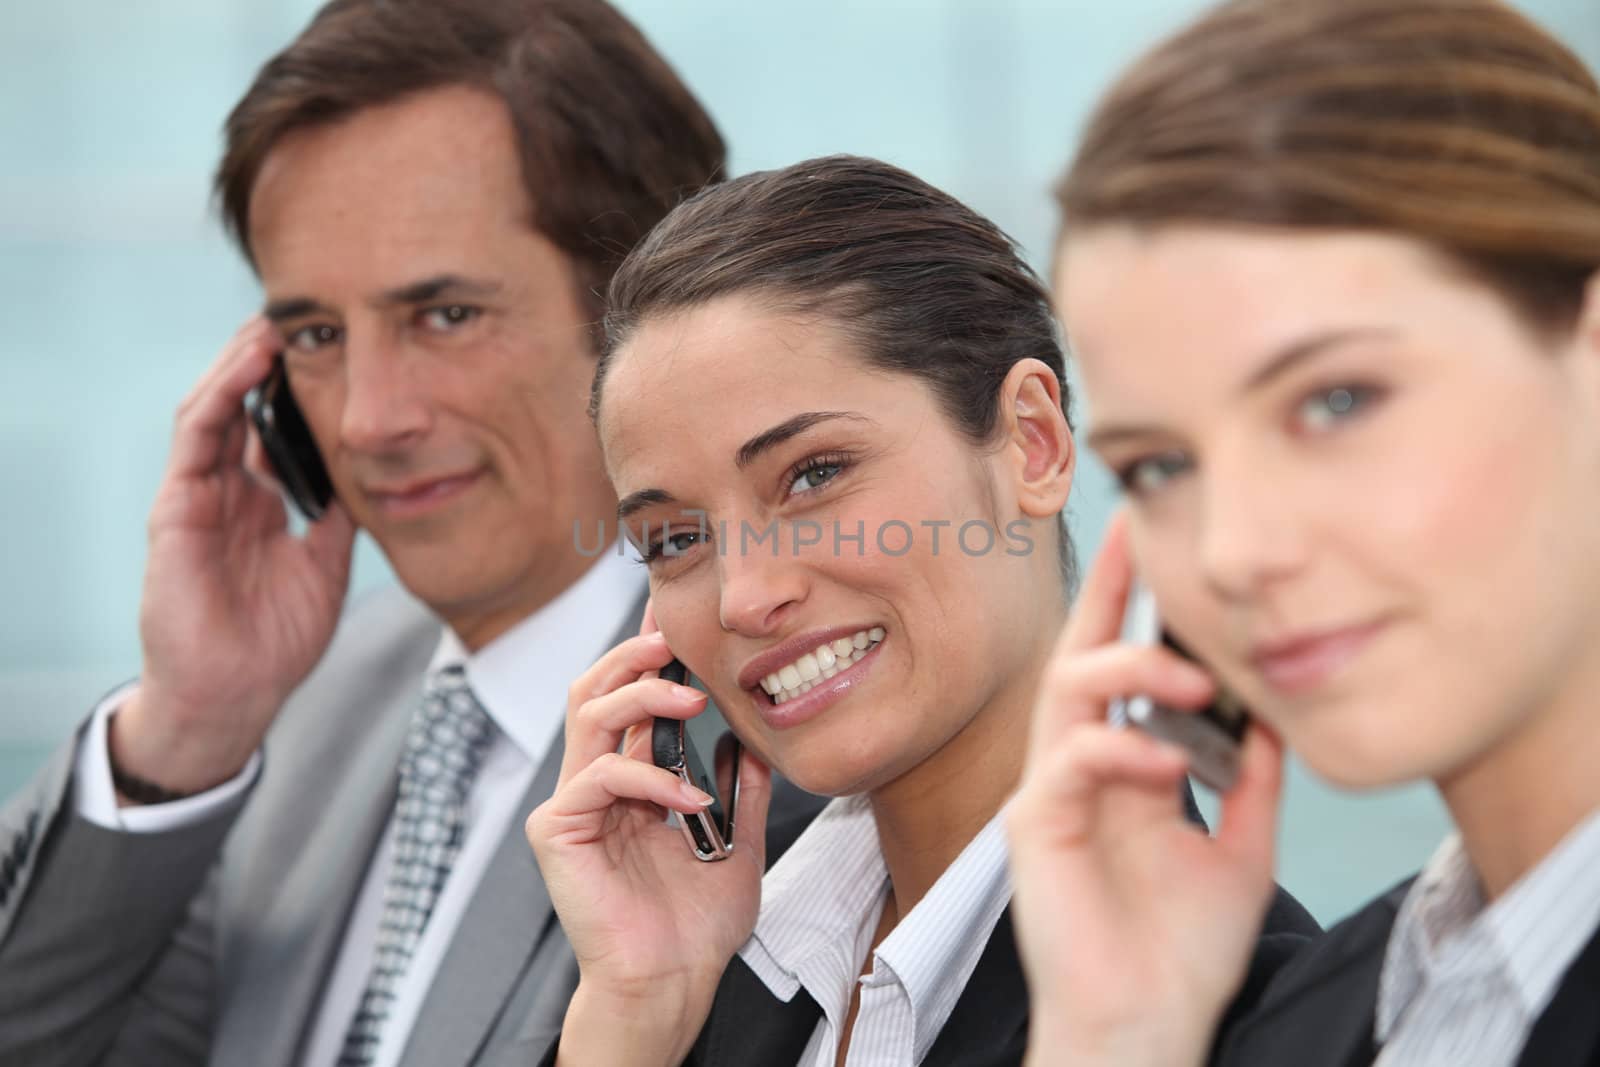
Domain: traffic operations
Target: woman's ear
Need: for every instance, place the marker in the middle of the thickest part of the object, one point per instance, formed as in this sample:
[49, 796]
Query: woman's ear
[1039, 448]
[1589, 317]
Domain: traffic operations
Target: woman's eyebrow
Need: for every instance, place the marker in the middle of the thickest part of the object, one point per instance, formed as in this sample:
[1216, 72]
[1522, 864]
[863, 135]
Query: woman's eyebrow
[767, 440]
[644, 498]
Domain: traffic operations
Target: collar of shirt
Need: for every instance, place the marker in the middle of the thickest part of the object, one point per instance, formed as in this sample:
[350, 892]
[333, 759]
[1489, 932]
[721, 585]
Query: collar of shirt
[821, 901]
[521, 677]
[1528, 937]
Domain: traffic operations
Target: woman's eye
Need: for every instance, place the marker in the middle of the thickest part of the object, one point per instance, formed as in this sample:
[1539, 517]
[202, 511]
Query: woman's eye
[311, 338]
[1327, 407]
[671, 546]
[449, 317]
[813, 476]
[1152, 472]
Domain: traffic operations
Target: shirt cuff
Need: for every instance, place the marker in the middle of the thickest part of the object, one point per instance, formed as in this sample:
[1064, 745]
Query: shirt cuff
[95, 798]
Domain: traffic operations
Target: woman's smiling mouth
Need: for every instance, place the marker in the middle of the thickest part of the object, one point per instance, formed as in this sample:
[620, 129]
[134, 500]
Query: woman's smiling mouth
[819, 665]
[798, 679]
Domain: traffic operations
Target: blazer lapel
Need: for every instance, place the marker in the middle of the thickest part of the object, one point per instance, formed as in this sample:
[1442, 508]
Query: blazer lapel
[749, 1025]
[306, 916]
[1319, 1009]
[509, 915]
[508, 919]
[1568, 1031]
[989, 1024]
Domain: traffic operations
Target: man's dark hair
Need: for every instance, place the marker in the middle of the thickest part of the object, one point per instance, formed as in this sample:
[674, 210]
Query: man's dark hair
[609, 138]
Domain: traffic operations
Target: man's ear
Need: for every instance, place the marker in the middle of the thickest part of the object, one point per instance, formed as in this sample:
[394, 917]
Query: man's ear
[1039, 450]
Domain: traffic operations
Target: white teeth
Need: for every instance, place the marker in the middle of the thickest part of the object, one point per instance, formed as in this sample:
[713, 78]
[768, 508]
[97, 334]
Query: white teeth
[817, 666]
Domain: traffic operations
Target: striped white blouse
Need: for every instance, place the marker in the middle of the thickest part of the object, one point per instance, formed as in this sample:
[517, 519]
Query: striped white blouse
[820, 906]
[1463, 983]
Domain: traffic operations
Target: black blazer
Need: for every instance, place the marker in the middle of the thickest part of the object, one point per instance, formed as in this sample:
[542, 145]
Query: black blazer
[988, 1026]
[1319, 1010]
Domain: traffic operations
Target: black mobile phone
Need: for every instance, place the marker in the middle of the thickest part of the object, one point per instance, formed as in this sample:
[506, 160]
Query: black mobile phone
[1212, 736]
[688, 748]
[287, 440]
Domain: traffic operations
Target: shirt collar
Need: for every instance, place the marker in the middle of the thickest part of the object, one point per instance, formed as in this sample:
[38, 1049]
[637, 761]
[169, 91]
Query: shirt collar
[1530, 934]
[1444, 899]
[814, 898]
[1543, 921]
[521, 677]
[832, 881]
[935, 949]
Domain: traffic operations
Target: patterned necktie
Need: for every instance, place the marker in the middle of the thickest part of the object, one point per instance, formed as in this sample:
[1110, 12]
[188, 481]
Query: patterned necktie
[448, 737]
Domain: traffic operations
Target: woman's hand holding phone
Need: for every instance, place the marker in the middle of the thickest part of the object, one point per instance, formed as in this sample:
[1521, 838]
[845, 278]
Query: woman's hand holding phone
[236, 609]
[1135, 926]
[652, 926]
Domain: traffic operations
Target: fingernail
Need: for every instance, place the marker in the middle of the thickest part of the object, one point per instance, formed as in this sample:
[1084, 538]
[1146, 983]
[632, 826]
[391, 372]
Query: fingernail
[696, 796]
[688, 694]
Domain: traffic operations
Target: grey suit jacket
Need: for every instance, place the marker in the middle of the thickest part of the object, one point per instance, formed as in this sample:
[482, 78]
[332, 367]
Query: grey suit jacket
[212, 943]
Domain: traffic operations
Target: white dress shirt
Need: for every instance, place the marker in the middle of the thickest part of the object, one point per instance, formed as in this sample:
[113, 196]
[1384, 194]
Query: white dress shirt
[521, 679]
[1463, 982]
[820, 906]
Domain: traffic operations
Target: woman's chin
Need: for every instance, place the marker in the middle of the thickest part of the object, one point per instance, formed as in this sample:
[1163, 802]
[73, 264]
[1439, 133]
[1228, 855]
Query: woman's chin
[825, 774]
[1364, 765]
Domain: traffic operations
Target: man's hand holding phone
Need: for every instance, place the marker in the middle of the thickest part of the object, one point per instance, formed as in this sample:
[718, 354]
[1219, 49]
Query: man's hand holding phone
[236, 609]
[652, 926]
[1135, 927]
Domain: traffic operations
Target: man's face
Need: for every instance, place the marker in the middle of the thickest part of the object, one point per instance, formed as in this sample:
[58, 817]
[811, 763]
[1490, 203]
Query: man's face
[437, 346]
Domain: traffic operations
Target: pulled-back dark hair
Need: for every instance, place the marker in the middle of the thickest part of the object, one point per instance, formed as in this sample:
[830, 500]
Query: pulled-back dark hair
[919, 282]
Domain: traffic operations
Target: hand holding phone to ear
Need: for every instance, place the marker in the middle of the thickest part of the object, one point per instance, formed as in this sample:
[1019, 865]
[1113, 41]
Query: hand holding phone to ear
[236, 609]
[652, 926]
[1135, 927]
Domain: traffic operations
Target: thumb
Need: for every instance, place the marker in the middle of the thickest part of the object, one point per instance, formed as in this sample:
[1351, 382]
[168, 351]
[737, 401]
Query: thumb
[330, 541]
[755, 798]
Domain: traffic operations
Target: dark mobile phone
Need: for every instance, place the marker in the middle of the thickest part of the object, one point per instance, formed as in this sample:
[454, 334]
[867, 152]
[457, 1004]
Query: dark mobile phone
[1211, 736]
[687, 748]
[287, 440]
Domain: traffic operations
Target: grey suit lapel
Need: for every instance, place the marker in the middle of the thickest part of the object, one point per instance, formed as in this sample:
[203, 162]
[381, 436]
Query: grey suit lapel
[283, 979]
[509, 918]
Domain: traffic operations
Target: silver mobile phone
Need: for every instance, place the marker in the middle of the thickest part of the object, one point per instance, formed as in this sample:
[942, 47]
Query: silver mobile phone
[1211, 736]
[688, 748]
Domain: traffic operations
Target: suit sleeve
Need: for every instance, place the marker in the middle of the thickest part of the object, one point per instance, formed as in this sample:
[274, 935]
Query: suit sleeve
[105, 936]
[1287, 930]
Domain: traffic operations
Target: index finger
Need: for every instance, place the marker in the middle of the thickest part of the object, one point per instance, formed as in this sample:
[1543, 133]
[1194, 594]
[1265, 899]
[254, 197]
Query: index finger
[1096, 617]
[216, 402]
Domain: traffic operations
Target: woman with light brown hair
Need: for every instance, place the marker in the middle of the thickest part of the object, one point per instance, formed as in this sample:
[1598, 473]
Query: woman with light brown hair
[1331, 269]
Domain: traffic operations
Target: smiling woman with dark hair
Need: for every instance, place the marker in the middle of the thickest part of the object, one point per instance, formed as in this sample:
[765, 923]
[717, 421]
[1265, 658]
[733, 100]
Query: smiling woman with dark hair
[862, 372]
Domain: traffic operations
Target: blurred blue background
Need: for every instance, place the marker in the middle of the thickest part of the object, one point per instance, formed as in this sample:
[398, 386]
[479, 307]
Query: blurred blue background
[118, 285]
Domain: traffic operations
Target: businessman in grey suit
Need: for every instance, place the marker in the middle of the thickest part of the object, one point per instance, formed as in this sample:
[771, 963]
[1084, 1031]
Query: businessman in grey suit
[297, 840]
